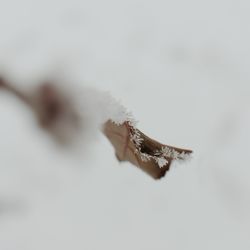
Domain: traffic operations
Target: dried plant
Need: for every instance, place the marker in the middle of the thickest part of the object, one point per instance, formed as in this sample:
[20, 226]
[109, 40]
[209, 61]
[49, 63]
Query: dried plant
[56, 113]
[149, 155]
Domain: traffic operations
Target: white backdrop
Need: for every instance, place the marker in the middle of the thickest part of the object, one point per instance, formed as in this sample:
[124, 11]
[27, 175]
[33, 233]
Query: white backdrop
[182, 67]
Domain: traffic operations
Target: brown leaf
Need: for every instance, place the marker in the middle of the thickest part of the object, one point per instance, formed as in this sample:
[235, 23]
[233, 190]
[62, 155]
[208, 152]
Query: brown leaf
[143, 155]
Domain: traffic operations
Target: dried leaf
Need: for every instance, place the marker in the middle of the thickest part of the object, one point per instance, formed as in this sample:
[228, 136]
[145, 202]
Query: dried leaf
[57, 114]
[132, 145]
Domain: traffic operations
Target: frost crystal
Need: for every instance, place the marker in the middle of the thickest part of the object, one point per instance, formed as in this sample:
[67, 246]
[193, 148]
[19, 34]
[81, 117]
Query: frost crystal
[144, 157]
[161, 161]
[171, 153]
[136, 137]
[168, 152]
[119, 114]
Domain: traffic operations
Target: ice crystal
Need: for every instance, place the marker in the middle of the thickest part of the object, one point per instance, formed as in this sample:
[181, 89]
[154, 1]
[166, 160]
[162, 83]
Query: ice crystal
[145, 157]
[136, 137]
[161, 161]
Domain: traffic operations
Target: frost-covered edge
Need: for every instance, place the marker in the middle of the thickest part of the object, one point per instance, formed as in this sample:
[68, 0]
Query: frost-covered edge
[121, 116]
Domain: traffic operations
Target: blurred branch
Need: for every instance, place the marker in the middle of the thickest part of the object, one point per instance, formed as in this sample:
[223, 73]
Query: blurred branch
[56, 113]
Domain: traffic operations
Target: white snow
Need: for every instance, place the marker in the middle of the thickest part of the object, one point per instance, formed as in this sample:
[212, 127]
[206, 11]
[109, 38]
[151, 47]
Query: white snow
[182, 68]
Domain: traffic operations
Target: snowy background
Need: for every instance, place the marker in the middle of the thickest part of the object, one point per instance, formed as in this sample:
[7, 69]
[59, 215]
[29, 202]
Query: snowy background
[182, 67]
